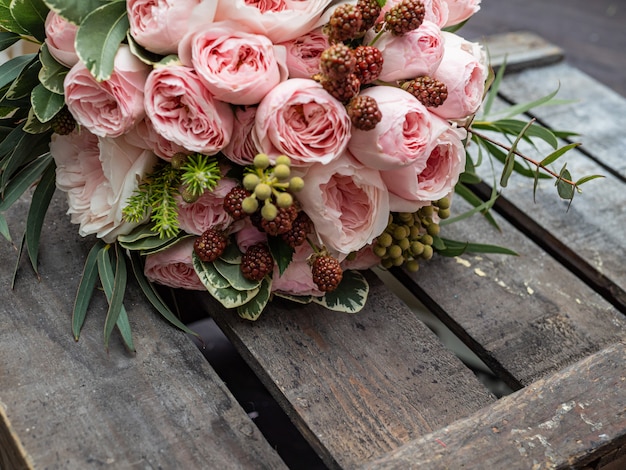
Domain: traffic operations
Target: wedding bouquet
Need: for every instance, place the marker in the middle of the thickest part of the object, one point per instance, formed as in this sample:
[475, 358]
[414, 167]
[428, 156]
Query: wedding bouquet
[249, 148]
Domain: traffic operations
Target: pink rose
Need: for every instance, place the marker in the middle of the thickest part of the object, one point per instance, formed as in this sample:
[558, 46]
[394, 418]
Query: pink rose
[347, 202]
[403, 136]
[436, 11]
[236, 67]
[297, 278]
[300, 119]
[143, 135]
[183, 111]
[249, 235]
[460, 10]
[173, 267]
[208, 211]
[303, 53]
[411, 55]
[112, 107]
[279, 20]
[60, 35]
[159, 25]
[412, 188]
[463, 70]
[365, 258]
[241, 149]
[99, 175]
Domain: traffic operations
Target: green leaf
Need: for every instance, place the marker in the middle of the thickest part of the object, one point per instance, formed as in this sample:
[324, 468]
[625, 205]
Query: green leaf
[99, 37]
[231, 254]
[75, 10]
[509, 161]
[31, 15]
[34, 126]
[209, 276]
[558, 153]
[7, 22]
[232, 273]
[37, 212]
[516, 126]
[52, 73]
[23, 85]
[4, 228]
[7, 39]
[586, 179]
[493, 89]
[11, 69]
[86, 288]
[565, 190]
[46, 104]
[522, 108]
[147, 241]
[456, 248]
[27, 149]
[478, 204]
[350, 296]
[23, 180]
[144, 55]
[253, 309]
[17, 262]
[281, 252]
[299, 299]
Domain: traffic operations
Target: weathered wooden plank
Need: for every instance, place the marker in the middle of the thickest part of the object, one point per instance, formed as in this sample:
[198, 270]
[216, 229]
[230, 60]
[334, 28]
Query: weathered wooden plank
[520, 50]
[357, 385]
[73, 405]
[563, 421]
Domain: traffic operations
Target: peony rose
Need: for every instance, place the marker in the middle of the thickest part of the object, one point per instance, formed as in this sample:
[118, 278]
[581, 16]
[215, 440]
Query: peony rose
[303, 53]
[183, 111]
[365, 258]
[411, 55]
[208, 211]
[60, 36]
[297, 278]
[173, 267]
[403, 136]
[143, 135]
[347, 202]
[279, 20]
[300, 119]
[236, 67]
[159, 25]
[411, 188]
[249, 235]
[99, 175]
[436, 11]
[241, 149]
[464, 71]
[460, 10]
[112, 107]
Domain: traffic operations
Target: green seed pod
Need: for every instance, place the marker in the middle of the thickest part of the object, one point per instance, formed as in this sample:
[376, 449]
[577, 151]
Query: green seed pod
[427, 239]
[416, 248]
[261, 161]
[412, 266]
[250, 181]
[380, 251]
[394, 251]
[443, 203]
[283, 160]
[284, 200]
[426, 211]
[296, 184]
[444, 213]
[187, 195]
[249, 204]
[404, 244]
[178, 160]
[385, 240]
[428, 252]
[282, 171]
[263, 191]
[433, 229]
[269, 211]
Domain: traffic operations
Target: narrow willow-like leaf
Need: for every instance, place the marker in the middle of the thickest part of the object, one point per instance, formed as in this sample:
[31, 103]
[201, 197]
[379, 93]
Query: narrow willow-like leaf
[52, 73]
[140, 232]
[493, 89]
[565, 190]
[586, 179]
[31, 15]
[232, 273]
[7, 39]
[28, 149]
[281, 252]
[253, 309]
[515, 127]
[522, 108]
[7, 22]
[4, 229]
[24, 84]
[144, 242]
[12, 68]
[86, 288]
[37, 212]
[22, 181]
[167, 244]
[75, 10]
[114, 285]
[554, 156]
[99, 36]
[501, 156]
[349, 297]
[456, 248]
[478, 204]
[10, 141]
[509, 161]
[46, 104]
[17, 262]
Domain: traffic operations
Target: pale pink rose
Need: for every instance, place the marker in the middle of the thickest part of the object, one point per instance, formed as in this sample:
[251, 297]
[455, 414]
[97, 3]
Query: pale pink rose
[411, 55]
[297, 278]
[411, 189]
[99, 175]
[303, 53]
[436, 11]
[249, 235]
[236, 67]
[463, 71]
[159, 25]
[403, 136]
[460, 10]
[173, 267]
[112, 107]
[347, 202]
[60, 36]
[242, 148]
[279, 20]
[208, 211]
[365, 258]
[183, 111]
[143, 135]
[302, 120]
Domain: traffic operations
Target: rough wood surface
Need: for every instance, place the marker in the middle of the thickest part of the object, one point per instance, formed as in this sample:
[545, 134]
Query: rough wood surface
[520, 50]
[73, 406]
[357, 386]
[564, 421]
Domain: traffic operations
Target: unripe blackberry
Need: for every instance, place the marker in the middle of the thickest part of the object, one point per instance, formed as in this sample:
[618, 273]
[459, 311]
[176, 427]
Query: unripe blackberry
[364, 112]
[210, 245]
[404, 17]
[337, 62]
[257, 262]
[429, 91]
[343, 90]
[345, 23]
[233, 202]
[282, 222]
[63, 123]
[327, 273]
[261, 161]
[369, 63]
[300, 228]
[370, 11]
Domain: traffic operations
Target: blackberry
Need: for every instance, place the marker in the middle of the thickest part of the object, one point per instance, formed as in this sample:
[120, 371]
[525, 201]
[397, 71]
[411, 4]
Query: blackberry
[282, 222]
[429, 91]
[342, 90]
[257, 262]
[327, 273]
[233, 200]
[364, 112]
[404, 17]
[300, 227]
[369, 63]
[344, 24]
[63, 123]
[370, 11]
[337, 62]
[210, 245]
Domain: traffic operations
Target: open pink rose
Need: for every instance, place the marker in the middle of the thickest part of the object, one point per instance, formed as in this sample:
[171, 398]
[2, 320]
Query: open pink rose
[60, 36]
[208, 211]
[242, 148]
[173, 267]
[99, 175]
[303, 53]
[302, 120]
[463, 70]
[236, 67]
[112, 107]
[460, 10]
[347, 202]
[249, 235]
[297, 278]
[403, 136]
[143, 135]
[279, 20]
[411, 189]
[411, 55]
[159, 25]
[365, 258]
[183, 110]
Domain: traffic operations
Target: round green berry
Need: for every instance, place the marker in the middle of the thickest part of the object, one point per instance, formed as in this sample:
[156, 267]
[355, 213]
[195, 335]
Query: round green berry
[414, 233]
[380, 251]
[249, 204]
[433, 229]
[384, 239]
[426, 211]
[296, 184]
[428, 252]
[394, 251]
[284, 200]
[261, 161]
[250, 181]
[412, 266]
[387, 263]
[269, 211]
[427, 239]
[416, 248]
[283, 160]
[282, 171]
[444, 203]
[444, 213]
[263, 191]
[400, 232]
[399, 261]
[404, 244]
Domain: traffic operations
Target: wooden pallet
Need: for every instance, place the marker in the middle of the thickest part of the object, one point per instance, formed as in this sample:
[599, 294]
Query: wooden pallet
[375, 390]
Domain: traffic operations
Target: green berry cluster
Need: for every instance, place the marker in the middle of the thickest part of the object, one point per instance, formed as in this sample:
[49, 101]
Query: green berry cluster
[271, 187]
[409, 236]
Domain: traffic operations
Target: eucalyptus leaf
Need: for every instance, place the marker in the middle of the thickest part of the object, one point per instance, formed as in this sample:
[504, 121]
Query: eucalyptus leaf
[232, 273]
[253, 309]
[456, 248]
[478, 204]
[31, 15]
[4, 229]
[75, 10]
[558, 153]
[586, 179]
[24, 84]
[86, 288]
[17, 262]
[37, 212]
[350, 296]
[52, 73]
[12, 68]
[99, 36]
[7, 39]
[23, 180]
[46, 104]
[565, 190]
